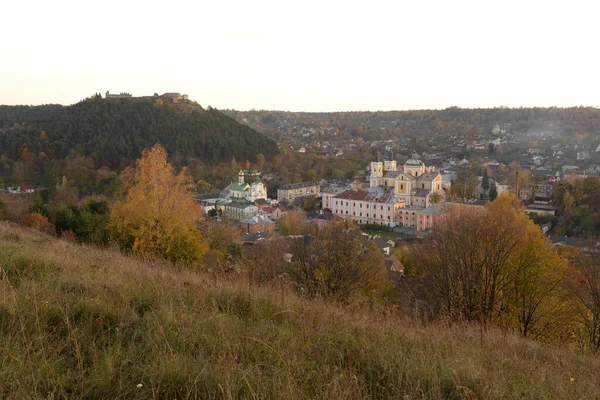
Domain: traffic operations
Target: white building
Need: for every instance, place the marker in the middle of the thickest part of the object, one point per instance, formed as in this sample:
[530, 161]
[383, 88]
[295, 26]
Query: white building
[244, 191]
[583, 155]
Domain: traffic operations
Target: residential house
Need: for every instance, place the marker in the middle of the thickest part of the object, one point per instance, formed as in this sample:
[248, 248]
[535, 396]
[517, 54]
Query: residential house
[258, 223]
[385, 245]
[541, 209]
[291, 192]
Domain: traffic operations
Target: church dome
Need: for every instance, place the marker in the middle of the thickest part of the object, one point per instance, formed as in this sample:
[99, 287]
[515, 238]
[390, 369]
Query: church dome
[413, 161]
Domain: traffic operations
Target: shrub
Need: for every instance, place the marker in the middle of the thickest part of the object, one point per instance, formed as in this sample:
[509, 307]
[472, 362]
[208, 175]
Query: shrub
[38, 222]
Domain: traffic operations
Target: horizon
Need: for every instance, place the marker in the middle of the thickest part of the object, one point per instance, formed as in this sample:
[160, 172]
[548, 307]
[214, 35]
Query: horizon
[319, 112]
[314, 57]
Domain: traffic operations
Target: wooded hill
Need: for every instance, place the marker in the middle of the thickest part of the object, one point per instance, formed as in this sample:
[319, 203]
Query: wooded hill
[576, 122]
[115, 131]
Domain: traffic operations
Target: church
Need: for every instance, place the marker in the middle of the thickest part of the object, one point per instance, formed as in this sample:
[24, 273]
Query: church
[413, 183]
[242, 190]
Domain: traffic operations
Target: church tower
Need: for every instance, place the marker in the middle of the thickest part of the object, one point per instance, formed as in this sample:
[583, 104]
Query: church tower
[241, 177]
[376, 174]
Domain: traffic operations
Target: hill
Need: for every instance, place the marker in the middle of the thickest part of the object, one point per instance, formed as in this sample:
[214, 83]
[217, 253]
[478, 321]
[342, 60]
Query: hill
[81, 322]
[574, 122]
[114, 131]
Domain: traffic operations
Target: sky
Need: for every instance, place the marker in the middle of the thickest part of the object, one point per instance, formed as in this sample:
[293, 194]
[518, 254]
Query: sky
[305, 55]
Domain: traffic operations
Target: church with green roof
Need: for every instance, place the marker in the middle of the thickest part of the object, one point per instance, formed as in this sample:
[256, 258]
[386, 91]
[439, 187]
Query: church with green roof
[241, 189]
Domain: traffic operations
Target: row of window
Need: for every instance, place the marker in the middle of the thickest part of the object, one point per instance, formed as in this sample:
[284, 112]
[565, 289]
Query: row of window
[354, 213]
[360, 205]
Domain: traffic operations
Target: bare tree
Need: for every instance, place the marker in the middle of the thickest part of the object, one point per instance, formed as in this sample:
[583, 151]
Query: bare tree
[467, 257]
[588, 294]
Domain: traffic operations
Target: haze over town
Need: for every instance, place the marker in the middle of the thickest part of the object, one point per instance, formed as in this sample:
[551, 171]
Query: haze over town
[312, 56]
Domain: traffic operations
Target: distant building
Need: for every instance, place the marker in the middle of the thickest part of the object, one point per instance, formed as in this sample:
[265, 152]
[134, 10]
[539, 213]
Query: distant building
[239, 209]
[241, 189]
[121, 95]
[257, 224]
[583, 155]
[412, 185]
[541, 209]
[176, 97]
[293, 191]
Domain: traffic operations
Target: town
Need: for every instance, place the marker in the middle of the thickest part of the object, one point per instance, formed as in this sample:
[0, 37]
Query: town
[308, 200]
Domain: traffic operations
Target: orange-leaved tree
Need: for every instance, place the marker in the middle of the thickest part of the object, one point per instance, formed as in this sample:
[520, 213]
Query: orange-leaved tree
[158, 218]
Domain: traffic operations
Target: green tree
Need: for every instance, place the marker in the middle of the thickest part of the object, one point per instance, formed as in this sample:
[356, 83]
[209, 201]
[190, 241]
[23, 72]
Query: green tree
[203, 187]
[485, 180]
[493, 191]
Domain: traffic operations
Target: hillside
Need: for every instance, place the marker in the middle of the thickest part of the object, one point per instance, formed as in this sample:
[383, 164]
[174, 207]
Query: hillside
[80, 322]
[574, 122]
[114, 131]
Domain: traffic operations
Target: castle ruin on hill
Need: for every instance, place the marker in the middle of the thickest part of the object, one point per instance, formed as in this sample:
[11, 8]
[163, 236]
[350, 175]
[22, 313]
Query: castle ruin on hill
[175, 97]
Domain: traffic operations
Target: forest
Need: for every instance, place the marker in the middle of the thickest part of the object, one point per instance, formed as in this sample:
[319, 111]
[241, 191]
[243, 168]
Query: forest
[113, 132]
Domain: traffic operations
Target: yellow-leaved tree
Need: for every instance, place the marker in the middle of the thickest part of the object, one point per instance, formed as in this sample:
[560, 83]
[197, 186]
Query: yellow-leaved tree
[158, 218]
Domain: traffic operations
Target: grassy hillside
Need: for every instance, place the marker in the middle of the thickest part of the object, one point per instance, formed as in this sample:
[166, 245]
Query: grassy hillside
[116, 130]
[80, 322]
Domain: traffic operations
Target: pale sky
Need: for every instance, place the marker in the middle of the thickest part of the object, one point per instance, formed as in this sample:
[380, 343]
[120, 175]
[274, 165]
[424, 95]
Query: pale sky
[304, 55]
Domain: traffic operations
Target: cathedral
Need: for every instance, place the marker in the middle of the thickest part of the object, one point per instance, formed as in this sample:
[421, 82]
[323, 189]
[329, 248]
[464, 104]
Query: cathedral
[242, 190]
[413, 183]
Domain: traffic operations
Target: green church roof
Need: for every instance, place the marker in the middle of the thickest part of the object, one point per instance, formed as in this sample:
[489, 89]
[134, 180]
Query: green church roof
[238, 187]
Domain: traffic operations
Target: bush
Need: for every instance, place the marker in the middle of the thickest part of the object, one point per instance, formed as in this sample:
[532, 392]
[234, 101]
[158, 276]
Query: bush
[38, 222]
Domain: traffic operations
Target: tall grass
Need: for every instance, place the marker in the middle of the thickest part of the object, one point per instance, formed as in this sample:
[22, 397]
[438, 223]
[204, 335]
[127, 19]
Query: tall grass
[81, 322]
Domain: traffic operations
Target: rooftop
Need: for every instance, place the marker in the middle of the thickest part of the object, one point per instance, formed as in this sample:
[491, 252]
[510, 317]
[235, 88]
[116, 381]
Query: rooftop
[259, 219]
[299, 185]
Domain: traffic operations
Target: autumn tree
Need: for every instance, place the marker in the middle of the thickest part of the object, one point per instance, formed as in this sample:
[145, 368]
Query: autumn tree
[38, 222]
[488, 264]
[292, 223]
[158, 217]
[436, 197]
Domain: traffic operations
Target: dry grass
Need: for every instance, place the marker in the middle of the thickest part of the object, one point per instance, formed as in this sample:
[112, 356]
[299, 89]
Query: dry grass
[79, 322]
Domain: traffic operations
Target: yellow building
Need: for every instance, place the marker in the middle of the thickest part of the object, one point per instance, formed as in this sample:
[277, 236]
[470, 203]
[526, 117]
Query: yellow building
[413, 183]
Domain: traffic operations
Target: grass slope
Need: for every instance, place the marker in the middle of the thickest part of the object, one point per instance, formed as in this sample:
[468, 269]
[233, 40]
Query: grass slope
[80, 322]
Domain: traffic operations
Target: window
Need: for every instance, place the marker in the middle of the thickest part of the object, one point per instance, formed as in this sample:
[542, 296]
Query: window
[402, 187]
[367, 214]
[353, 204]
[367, 206]
[361, 214]
[388, 209]
[381, 208]
[336, 202]
[346, 212]
[360, 205]
[422, 186]
[388, 217]
[353, 213]
[346, 203]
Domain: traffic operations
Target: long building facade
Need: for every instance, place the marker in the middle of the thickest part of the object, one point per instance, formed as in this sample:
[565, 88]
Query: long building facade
[371, 206]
